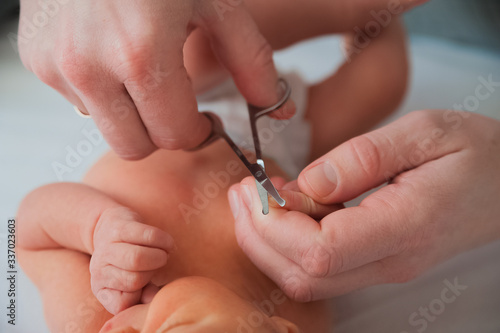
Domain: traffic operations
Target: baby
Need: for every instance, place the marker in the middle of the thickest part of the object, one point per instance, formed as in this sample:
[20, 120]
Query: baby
[140, 246]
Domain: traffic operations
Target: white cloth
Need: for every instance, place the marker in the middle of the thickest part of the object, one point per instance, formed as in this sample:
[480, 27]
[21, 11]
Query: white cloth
[285, 141]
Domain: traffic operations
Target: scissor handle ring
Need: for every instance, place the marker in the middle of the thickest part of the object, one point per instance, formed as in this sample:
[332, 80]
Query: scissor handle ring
[259, 111]
[215, 133]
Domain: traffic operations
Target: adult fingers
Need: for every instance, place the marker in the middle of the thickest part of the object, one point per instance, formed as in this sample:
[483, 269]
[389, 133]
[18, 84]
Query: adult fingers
[369, 160]
[293, 234]
[299, 202]
[149, 63]
[117, 118]
[161, 91]
[110, 106]
[272, 263]
[343, 240]
[297, 283]
[248, 57]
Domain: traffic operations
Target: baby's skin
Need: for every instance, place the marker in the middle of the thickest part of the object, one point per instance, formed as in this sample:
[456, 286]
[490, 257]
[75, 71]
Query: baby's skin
[158, 236]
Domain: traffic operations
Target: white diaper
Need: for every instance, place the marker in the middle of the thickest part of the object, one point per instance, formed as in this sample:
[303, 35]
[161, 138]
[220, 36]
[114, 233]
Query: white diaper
[285, 141]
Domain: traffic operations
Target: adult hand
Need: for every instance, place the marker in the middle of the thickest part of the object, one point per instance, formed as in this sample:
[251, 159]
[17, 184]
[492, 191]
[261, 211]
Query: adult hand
[442, 199]
[121, 61]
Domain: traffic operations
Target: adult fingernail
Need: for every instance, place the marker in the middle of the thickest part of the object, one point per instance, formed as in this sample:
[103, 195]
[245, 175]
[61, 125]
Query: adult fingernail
[247, 196]
[322, 179]
[234, 203]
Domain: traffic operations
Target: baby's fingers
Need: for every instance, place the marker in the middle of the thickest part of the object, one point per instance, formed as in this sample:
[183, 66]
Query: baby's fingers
[115, 278]
[134, 257]
[298, 201]
[142, 234]
[116, 301]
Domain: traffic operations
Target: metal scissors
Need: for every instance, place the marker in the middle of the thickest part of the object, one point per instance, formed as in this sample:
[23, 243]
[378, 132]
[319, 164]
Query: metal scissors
[257, 169]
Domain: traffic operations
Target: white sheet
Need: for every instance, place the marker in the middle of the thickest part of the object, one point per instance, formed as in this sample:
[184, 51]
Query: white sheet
[37, 127]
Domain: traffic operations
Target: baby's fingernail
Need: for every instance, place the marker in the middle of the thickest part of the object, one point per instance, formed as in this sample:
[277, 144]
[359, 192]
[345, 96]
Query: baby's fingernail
[247, 196]
[234, 202]
[322, 179]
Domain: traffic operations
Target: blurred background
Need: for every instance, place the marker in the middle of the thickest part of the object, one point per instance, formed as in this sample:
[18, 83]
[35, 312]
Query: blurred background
[452, 44]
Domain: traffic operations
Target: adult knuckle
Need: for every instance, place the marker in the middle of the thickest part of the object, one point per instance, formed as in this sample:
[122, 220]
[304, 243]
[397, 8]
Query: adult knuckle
[366, 152]
[263, 54]
[425, 119]
[134, 59]
[74, 68]
[317, 261]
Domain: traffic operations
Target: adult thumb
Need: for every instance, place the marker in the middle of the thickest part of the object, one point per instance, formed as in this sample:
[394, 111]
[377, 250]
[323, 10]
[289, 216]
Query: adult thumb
[246, 54]
[369, 160]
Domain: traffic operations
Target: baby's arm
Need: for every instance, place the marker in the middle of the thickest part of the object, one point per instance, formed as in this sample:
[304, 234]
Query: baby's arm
[62, 215]
[63, 228]
[63, 279]
[55, 227]
[362, 92]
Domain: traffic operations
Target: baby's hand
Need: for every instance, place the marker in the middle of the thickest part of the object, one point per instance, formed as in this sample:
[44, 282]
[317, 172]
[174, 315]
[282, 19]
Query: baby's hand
[297, 201]
[126, 255]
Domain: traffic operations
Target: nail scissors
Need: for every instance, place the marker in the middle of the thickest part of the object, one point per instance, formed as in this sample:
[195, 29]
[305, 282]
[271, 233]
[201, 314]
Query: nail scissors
[257, 169]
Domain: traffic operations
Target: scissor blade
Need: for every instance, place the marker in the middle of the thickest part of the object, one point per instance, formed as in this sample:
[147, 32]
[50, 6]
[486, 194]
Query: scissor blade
[260, 175]
[263, 198]
[272, 191]
[256, 170]
[262, 191]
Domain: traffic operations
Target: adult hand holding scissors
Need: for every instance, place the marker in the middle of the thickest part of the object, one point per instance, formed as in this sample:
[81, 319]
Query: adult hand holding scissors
[122, 62]
[441, 200]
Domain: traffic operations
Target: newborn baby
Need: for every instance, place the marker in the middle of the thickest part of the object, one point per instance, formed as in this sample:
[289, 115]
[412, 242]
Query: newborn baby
[125, 222]
[149, 246]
